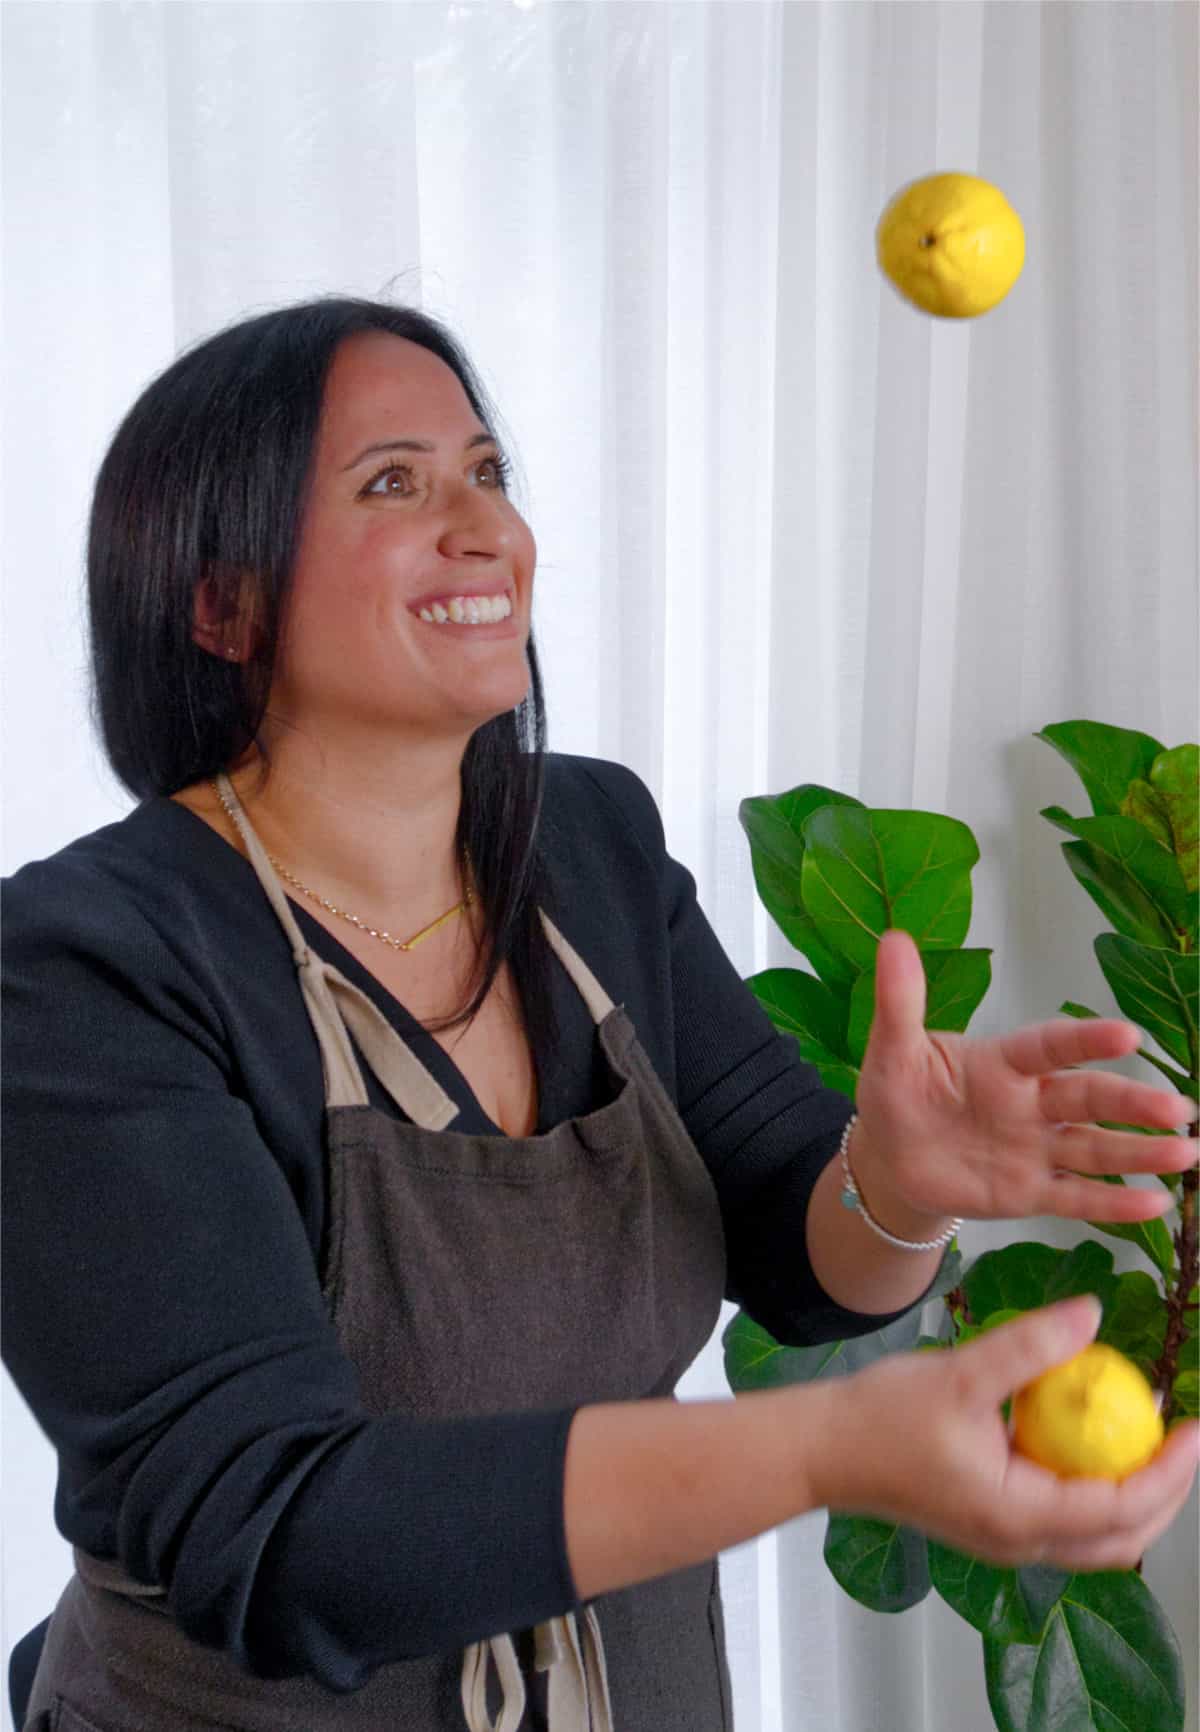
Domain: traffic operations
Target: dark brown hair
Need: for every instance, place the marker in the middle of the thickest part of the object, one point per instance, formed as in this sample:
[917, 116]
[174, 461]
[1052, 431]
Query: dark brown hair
[207, 476]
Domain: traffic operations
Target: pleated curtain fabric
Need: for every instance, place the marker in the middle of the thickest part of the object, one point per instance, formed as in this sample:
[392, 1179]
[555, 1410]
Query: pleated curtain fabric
[789, 529]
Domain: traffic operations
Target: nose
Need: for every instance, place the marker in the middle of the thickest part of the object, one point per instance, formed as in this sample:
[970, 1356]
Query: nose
[473, 525]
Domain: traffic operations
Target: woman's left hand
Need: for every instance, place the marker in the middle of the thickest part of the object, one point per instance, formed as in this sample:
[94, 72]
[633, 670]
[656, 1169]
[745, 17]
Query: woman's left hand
[1004, 1128]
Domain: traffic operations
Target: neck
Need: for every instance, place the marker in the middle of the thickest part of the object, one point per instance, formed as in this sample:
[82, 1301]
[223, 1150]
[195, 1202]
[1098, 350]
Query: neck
[374, 833]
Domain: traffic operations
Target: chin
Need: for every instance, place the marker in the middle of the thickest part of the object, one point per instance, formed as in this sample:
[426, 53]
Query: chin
[493, 698]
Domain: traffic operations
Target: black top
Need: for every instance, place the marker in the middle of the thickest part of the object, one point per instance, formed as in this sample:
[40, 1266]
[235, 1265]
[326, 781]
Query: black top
[164, 1196]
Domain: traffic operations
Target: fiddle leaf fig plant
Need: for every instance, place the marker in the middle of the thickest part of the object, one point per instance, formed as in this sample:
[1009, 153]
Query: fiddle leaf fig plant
[1092, 1650]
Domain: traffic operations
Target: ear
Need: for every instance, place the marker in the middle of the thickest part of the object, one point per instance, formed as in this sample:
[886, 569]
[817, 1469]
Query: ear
[221, 623]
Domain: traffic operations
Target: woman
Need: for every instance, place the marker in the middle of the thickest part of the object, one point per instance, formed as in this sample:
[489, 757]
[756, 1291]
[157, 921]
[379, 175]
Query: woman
[357, 1239]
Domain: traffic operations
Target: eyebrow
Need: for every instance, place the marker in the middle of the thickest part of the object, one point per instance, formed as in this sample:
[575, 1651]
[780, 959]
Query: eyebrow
[416, 445]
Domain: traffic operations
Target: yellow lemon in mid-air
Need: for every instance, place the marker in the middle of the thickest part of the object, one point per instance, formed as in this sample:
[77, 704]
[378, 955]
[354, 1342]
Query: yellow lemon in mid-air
[952, 244]
[1093, 1417]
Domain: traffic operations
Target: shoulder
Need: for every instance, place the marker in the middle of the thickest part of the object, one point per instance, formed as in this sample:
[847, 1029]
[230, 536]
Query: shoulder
[70, 887]
[608, 800]
[116, 906]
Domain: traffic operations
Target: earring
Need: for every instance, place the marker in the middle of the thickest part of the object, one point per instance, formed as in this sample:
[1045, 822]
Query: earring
[230, 650]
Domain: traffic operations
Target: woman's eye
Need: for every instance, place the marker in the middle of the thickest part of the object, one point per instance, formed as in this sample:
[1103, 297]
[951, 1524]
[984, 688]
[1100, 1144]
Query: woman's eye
[381, 484]
[393, 469]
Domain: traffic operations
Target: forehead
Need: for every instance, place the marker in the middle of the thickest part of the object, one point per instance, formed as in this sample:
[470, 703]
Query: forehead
[384, 387]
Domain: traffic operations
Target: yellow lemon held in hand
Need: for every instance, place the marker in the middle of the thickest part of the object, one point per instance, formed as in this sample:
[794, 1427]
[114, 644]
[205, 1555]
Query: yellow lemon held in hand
[952, 244]
[1093, 1417]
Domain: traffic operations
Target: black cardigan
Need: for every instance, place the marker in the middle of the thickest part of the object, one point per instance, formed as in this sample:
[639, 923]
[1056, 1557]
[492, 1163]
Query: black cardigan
[163, 1216]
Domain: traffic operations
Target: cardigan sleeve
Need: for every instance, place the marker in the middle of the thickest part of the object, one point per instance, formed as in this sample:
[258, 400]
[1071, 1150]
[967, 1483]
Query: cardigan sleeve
[164, 1322]
[758, 1113]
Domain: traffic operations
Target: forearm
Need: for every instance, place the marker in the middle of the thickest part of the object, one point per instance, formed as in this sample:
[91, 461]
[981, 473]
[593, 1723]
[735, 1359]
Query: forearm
[655, 1486]
[854, 1265]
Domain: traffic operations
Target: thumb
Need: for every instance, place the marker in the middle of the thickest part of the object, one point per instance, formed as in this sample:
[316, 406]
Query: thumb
[900, 990]
[1013, 1354]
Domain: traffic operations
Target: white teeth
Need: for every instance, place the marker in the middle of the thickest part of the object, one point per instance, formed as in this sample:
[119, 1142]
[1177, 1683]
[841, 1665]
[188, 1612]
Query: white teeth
[469, 610]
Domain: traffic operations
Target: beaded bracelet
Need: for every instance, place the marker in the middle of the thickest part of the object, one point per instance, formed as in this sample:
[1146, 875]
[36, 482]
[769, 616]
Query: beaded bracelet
[852, 1199]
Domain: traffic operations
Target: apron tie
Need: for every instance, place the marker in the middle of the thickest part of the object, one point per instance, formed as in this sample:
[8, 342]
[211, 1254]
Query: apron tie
[578, 1695]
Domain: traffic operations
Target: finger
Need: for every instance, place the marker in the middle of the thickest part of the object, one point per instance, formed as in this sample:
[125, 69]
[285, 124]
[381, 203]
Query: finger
[900, 994]
[1058, 1514]
[1120, 1550]
[1075, 1199]
[1013, 1354]
[1165, 1479]
[1089, 1096]
[1044, 1046]
[1089, 1149]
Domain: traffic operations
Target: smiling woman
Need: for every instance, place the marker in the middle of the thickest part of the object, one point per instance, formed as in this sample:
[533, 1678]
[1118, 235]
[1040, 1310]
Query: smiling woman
[356, 1242]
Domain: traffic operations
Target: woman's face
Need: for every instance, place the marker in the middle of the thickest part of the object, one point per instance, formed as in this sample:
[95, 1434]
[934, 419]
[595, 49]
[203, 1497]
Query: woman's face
[413, 584]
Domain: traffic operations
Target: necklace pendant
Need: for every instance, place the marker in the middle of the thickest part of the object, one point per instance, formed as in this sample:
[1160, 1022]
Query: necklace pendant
[849, 1198]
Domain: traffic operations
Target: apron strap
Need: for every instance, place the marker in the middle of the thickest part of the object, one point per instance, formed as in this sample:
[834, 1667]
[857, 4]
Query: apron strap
[579, 1699]
[335, 1004]
[590, 989]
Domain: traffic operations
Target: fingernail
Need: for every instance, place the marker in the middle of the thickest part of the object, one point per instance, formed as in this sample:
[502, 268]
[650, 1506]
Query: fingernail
[1094, 1311]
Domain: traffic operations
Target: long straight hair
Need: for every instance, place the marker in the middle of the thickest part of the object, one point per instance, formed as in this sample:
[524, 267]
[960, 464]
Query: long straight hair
[207, 477]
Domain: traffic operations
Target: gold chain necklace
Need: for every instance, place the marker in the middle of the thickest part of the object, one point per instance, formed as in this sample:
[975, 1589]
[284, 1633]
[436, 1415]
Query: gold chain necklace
[343, 914]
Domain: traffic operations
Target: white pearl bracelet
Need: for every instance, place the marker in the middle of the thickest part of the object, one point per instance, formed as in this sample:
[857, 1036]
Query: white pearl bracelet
[852, 1199]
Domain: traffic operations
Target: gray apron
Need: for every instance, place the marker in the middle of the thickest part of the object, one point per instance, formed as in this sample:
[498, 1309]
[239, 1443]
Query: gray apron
[465, 1274]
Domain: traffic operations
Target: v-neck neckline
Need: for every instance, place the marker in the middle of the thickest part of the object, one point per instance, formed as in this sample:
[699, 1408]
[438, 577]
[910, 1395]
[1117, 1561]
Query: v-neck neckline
[431, 1053]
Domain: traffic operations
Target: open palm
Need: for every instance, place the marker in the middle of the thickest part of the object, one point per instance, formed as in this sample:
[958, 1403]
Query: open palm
[1005, 1128]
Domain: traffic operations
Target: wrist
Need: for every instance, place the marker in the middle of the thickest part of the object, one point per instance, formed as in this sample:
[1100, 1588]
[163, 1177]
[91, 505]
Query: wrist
[832, 1430]
[879, 1197]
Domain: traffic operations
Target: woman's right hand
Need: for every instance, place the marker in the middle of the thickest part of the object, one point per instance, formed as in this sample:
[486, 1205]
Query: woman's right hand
[919, 1438]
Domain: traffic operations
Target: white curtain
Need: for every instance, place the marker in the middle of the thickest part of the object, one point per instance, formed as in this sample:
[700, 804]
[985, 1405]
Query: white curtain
[790, 530]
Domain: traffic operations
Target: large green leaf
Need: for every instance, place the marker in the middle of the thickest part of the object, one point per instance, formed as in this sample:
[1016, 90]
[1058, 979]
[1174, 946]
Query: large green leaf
[755, 1360]
[774, 826]
[815, 1015]
[1158, 989]
[955, 983]
[1011, 1605]
[1185, 1393]
[1135, 1320]
[801, 1005]
[1108, 1661]
[1175, 778]
[1135, 881]
[1013, 1278]
[1085, 1268]
[879, 1564]
[1106, 759]
[1027, 1275]
[1150, 1236]
[866, 870]
[1143, 802]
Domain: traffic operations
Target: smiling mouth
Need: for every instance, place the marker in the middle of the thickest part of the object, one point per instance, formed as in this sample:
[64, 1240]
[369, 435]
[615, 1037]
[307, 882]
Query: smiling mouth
[468, 610]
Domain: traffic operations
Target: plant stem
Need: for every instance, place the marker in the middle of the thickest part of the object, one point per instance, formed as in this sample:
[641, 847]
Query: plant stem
[956, 1302]
[1187, 1251]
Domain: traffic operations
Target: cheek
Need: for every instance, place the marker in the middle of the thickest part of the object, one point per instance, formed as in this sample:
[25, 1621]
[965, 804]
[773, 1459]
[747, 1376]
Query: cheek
[524, 549]
[358, 577]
